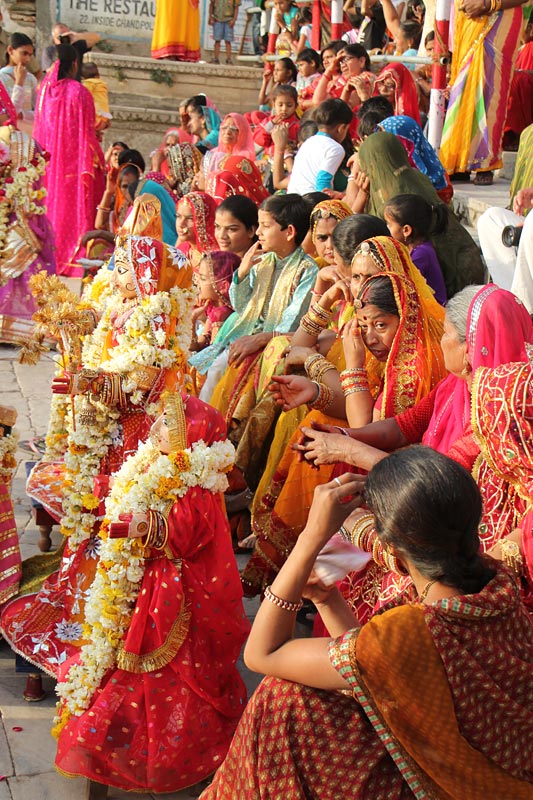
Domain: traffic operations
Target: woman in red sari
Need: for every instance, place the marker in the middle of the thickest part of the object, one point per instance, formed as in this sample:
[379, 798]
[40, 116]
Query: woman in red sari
[396, 83]
[65, 127]
[420, 680]
[195, 226]
[152, 701]
[502, 400]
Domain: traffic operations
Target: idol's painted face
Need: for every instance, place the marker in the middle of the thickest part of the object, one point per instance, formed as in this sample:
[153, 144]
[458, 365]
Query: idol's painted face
[159, 434]
[122, 279]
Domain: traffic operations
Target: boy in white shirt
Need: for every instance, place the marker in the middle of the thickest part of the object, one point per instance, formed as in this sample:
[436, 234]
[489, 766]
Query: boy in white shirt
[320, 156]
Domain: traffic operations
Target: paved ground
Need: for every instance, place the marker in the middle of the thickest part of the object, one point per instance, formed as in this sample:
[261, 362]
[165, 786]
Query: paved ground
[27, 749]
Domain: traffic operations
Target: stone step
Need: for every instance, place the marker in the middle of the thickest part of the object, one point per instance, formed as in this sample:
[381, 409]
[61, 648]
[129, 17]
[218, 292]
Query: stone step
[470, 201]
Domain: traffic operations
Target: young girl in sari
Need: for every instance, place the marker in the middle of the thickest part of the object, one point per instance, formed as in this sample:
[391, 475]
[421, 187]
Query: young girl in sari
[213, 279]
[65, 127]
[195, 226]
[384, 162]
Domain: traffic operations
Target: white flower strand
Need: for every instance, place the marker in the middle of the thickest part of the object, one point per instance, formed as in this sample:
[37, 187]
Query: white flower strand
[121, 567]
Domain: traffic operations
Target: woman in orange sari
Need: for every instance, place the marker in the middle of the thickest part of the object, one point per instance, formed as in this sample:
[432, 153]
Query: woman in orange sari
[398, 708]
[411, 370]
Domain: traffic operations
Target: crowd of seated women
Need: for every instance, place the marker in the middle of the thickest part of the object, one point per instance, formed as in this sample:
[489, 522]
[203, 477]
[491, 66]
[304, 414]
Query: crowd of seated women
[343, 313]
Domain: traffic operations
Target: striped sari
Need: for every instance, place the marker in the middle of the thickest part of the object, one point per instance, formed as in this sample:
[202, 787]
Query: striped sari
[482, 69]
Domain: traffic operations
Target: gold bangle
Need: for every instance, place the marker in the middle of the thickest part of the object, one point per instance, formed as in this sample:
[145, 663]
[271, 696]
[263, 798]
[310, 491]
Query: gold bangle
[286, 605]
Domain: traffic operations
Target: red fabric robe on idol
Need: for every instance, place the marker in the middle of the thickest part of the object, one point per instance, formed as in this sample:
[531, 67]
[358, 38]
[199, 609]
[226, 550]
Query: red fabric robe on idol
[169, 726]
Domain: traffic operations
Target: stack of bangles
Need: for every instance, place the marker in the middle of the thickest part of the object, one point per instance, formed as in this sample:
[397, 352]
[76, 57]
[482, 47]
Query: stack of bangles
[316, 320]
[354, 380]
[363, 535]
[316, 367]
[286, 605]
[324, 397]
[107, 387]
[111, 391]
[157, 535]
[495, 5]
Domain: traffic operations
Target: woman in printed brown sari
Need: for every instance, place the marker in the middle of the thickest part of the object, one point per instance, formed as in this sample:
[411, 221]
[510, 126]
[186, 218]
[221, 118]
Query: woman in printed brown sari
[437, 696]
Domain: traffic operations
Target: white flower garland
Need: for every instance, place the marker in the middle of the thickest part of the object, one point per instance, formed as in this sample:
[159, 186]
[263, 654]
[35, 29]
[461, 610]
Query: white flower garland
[137, 344]
[146, 480]
[17, 191]
[88, 445]
[8, 447]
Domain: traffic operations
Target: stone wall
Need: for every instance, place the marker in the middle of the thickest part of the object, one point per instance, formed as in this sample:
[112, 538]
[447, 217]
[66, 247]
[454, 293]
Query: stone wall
[144, 94]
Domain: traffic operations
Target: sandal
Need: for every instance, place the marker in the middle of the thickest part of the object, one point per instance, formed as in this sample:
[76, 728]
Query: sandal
[484, 178]
[248, 543]
[37, 445]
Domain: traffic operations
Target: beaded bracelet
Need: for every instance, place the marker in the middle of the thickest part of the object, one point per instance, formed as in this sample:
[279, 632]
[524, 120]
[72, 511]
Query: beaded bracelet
[286, 605]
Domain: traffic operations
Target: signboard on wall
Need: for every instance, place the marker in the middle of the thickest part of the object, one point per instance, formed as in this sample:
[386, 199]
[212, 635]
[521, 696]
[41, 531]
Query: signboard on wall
[112, 19]
[134, 19]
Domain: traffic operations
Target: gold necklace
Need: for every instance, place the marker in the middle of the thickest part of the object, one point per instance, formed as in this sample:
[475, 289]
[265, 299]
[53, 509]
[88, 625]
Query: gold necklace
[424, 593]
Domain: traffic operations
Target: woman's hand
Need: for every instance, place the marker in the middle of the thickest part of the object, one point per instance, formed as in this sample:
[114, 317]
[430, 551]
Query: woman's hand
[474, 8]
[20, 73]
[326, 277]
[111, 180]
[332, 503]
[246, 346]
[319, 448]
[496, 550]
[296, 356]
[339, 291]
[157, 159]
[291, 391]
[523, 201]
[316, 591]
[352, 342]
[363, 182]
[363, 85]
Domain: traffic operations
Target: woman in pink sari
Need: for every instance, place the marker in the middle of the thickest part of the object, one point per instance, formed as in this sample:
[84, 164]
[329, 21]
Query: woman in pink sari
[65, 127]
[8, 115]
[234, 139]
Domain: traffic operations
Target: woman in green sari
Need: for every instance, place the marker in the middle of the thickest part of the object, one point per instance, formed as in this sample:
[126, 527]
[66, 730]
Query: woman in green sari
[382, 172]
